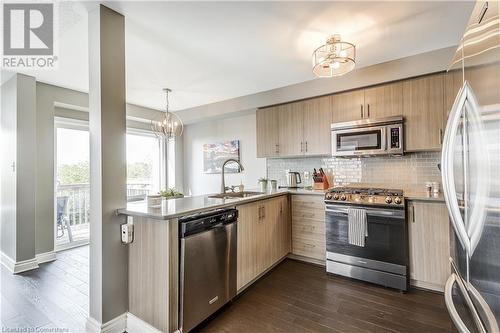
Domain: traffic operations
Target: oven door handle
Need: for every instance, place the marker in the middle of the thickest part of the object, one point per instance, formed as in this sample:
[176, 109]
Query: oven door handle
[373, 212]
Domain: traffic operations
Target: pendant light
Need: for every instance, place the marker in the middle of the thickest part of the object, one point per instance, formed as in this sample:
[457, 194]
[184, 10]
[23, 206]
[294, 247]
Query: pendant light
[335, 58]
[170, 125]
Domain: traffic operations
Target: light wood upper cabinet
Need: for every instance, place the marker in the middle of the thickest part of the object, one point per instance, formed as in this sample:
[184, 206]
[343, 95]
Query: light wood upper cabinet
[452, 84]
[384, 101]
[423, 109]
[485, 82]
[267, 132]
[348, 106]
[317, 117]
[429, 239]
[303, 128]
[290, 129]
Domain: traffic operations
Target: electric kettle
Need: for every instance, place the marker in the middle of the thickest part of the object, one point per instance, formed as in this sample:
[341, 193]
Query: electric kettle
[293, 179]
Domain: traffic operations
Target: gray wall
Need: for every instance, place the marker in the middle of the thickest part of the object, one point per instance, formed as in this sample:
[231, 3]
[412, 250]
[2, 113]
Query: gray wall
[8, 182]
[235, 128]
[19, 184]
[46, 96]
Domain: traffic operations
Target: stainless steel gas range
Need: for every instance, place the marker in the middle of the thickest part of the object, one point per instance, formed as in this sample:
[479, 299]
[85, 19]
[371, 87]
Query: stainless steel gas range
[382, 255]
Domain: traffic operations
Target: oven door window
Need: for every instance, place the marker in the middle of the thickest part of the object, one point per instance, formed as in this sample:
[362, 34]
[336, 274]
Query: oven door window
[386, 240]
[363, 140]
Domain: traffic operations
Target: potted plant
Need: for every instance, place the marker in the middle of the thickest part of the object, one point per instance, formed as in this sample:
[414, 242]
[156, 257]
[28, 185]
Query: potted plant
[263, 184]
[171, 193]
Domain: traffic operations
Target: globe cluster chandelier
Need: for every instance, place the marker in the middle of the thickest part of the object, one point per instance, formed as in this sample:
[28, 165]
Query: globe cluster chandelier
[170, 125]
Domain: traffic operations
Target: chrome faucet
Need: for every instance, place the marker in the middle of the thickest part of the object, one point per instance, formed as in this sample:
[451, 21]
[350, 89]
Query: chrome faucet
[223, 187]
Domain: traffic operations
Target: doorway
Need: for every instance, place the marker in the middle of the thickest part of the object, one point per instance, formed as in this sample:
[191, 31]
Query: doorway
[72, 184]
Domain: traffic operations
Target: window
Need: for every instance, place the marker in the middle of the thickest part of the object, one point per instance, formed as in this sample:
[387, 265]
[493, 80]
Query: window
[148, 171]
[171, 164]
[143, 165]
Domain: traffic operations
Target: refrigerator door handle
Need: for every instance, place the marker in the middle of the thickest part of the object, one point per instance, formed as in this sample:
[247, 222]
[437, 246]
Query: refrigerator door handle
[476, 304]
[480, 162]
[447, 172]
[469, 235]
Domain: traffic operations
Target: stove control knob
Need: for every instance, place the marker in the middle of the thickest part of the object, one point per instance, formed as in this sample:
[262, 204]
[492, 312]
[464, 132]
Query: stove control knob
[328, 196]
[388, 200]
[335, 196]
[397, 200]
[343, 197]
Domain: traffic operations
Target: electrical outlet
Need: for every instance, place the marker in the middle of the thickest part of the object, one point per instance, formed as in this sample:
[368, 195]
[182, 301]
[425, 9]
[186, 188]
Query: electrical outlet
[127, 233]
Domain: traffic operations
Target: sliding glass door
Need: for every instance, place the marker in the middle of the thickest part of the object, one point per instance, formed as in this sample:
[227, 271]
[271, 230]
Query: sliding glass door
[72, 188]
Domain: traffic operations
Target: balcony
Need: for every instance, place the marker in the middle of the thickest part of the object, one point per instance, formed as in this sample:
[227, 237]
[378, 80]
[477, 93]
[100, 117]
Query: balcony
[73, 211]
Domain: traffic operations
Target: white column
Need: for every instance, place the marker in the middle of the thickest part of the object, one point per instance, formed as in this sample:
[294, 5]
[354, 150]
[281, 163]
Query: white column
[108, 257]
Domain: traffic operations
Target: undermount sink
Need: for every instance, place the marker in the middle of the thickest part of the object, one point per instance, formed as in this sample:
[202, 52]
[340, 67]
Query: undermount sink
[234, 195]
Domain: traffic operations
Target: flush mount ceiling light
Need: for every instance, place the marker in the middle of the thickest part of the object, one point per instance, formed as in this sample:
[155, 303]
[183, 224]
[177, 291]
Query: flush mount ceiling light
[335, 58]
[170, 125]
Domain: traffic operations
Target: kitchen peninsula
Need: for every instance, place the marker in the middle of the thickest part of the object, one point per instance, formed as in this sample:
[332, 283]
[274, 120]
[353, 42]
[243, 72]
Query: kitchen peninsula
[263, 225]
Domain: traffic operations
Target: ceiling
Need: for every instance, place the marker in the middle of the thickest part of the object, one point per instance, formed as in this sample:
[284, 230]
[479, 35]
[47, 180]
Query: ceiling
[213, 51]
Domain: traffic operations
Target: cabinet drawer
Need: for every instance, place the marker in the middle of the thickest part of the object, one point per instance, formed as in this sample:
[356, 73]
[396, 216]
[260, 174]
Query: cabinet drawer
[308, 248]
[300, 214]
[309, 232]
[308, 202]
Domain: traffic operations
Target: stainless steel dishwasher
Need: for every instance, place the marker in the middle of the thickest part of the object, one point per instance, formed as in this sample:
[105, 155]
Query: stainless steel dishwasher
[208, 264]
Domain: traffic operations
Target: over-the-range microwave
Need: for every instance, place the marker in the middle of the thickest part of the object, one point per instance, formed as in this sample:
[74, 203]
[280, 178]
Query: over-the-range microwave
[366, 137]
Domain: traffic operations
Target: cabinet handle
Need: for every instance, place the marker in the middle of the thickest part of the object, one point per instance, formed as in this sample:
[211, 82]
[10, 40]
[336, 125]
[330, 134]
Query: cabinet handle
[277, 148]
[260, 212]
[306, 146]
[440, 136]
[413, 213]
[301, 147]
[361, 110]
[263, 212]
[368, 111]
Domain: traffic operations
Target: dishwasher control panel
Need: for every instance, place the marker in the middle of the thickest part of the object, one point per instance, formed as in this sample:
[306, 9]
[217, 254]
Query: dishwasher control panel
[196, 223]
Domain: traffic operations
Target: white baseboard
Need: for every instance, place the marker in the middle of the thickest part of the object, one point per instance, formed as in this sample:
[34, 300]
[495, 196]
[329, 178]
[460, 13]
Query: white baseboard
[18, 266]
[46, 257]
[137, 325]
[115, 325]
[126, 322]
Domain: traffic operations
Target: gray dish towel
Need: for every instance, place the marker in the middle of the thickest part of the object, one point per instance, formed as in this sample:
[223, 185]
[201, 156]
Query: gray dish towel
[358, 228]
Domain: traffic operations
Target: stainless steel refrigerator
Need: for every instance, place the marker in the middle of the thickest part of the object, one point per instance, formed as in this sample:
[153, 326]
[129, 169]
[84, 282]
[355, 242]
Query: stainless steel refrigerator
[470, 168]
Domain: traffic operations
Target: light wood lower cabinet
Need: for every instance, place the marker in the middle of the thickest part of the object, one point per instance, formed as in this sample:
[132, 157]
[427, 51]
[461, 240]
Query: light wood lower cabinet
[429, 235]
[308, 226]
[263, 237]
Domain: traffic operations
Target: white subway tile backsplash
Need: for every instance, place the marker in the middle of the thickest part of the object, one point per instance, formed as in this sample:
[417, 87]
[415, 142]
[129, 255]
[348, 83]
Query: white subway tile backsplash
[412, 169]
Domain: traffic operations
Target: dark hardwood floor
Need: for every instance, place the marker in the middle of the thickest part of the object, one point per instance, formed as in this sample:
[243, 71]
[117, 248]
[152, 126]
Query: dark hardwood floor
[299, 297]
[55, 296]
[293, 297]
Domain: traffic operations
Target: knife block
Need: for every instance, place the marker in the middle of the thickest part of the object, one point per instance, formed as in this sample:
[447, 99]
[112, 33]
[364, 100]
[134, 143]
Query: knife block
[321, 185]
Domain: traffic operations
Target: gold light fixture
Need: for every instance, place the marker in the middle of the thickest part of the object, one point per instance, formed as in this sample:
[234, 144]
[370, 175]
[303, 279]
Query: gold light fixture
[335, 58]
[170, 125]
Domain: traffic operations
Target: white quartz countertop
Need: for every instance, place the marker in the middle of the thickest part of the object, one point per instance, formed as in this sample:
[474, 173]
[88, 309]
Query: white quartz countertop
[173, 208]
